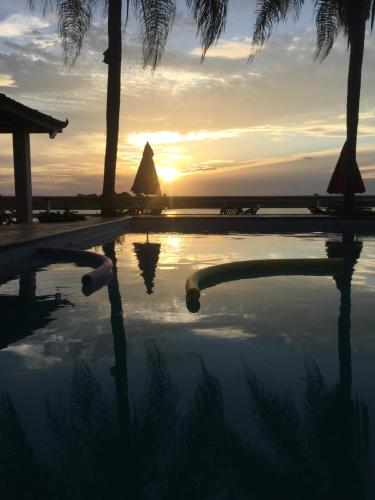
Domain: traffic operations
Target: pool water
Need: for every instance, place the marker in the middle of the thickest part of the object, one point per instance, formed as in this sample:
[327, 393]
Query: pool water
[265, 393]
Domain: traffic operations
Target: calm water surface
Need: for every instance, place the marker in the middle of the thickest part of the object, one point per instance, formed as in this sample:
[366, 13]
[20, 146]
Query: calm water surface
[265, 393]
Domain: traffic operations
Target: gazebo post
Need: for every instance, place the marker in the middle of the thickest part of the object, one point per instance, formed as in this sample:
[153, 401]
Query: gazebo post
[21, 121]
[22, 175]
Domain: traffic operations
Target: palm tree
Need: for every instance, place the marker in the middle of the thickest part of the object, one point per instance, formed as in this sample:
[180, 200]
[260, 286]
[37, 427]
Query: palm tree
[332, 17]
[155, 18]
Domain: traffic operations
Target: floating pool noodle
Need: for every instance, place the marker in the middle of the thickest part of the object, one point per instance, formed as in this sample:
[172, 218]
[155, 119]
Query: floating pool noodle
[91, 281]
[214, 275]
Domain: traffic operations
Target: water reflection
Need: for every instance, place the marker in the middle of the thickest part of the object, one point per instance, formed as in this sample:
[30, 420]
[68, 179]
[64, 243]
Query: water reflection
[153, 447]
[26, 312]
[148, 256]
[318, 453]
[349, 249]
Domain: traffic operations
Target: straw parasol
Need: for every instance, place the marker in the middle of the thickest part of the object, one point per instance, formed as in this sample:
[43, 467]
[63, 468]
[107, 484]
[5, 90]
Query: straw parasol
[337, 184]
[146, 180]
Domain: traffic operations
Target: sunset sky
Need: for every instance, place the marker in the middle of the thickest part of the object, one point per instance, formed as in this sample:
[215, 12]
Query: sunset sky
[222, 127]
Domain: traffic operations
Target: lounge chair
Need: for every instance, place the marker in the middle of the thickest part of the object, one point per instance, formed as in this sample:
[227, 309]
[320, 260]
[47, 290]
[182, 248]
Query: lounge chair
[151, 210]
[7, 217]
[252, 210]
[231, 211]
[338, 211]
[239, 211]
[65, 216]
[317, 210]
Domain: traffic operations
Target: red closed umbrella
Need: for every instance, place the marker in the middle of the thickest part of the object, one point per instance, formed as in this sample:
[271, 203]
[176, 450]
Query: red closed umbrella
[337, 184]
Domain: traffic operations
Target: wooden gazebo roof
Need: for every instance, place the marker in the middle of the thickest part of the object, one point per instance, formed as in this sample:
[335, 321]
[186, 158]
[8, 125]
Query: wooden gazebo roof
[15, 115]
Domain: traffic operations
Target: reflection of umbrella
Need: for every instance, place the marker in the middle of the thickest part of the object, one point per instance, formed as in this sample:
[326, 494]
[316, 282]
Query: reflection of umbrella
[146, 180]
[23, 314]
[337, 184]
[148, 256]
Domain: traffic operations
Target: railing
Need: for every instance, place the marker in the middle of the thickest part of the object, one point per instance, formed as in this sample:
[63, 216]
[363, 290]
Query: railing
[177, 202]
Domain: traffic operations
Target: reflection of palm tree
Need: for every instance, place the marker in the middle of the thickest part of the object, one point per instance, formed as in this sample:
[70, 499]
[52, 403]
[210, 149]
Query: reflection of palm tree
[203, 462]
[349, 250]
[327, 451]
[324, 454]
[20, 478]
[120, 369]
[95, 462]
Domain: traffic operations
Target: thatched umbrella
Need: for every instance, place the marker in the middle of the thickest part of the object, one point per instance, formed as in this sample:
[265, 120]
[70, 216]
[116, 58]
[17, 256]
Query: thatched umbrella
[147, 256]
[338, 182]
[146, 180]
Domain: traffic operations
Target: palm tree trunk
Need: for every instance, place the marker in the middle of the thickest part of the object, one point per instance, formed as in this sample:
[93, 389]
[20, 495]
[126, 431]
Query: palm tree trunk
[113, 104]
[357, 45]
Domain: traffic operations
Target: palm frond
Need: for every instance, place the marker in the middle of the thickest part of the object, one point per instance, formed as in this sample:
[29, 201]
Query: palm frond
[331, 18]
[210, 16]
[269, 13]
[155, 18]
[74, 19]
[45, 5]
[372, 13]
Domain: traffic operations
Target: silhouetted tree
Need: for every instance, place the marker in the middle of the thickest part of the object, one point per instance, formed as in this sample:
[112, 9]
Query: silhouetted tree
[321, 453]
[204, 452]
[155, 18]
[21, 478]
[332, 17]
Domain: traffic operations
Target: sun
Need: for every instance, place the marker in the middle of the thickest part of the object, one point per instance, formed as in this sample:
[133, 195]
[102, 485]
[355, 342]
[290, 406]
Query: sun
[168, 174]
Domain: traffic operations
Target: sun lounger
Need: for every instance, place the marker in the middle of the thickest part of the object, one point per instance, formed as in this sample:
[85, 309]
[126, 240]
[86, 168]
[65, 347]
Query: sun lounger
[66, 216]
[239, 211]
[338, 211]
[137, 210]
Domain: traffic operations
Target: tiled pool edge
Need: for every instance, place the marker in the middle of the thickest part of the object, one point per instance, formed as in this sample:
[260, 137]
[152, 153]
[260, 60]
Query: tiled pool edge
[253, 224]
[79, 237]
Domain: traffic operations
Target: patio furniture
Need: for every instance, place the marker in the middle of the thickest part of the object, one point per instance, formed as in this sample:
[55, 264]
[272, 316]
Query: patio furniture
[239, 211]
[65, 216]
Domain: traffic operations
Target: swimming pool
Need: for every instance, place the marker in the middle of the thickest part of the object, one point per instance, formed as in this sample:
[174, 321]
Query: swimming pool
[266, 392]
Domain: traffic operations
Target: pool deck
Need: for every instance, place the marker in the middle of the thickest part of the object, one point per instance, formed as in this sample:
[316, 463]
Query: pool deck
[18, 241]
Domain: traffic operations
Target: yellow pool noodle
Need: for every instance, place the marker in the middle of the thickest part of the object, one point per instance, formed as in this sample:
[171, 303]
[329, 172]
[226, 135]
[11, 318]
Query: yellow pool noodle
[214, 275]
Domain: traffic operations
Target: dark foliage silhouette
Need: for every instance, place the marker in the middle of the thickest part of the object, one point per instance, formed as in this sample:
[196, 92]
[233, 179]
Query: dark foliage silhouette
[20, 475]
[321, 452]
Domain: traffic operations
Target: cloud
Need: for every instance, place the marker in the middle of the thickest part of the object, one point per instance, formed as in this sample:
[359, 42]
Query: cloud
[7, 80]
[229, 49]
[170, 137]
[18, 24]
